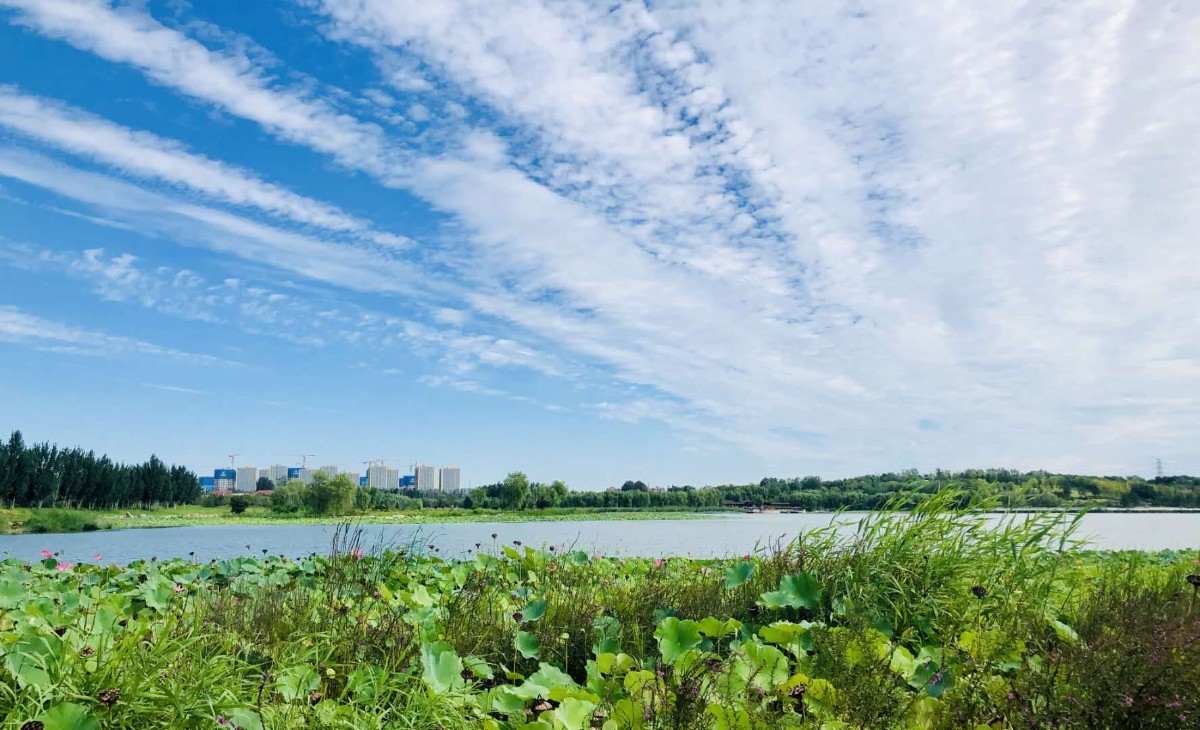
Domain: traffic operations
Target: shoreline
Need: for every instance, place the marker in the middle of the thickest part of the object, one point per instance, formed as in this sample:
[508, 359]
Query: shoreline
[12, 521]
[105, 520]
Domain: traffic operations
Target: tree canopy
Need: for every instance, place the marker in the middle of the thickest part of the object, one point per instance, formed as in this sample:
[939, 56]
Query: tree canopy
[43, 475]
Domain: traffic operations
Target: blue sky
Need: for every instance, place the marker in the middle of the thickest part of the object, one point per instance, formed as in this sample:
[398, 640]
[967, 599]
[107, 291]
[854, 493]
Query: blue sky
[684, 242]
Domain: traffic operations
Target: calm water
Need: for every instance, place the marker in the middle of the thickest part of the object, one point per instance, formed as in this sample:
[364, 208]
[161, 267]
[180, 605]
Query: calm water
[721, 536]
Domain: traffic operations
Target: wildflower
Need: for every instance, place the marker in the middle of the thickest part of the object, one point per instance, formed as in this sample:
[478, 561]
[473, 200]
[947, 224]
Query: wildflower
[179, 588]
[33, 725]
[88, 651]
[315, 697]
[937, 677]
[47, 554]
[979, 591]
[64, 566]
[221, 720]
[1010, 697]
[357, 553]
[109, 697]
[659, 562]
[595, 556]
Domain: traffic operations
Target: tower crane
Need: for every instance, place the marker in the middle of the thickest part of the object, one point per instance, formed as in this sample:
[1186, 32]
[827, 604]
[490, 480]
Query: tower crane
[233, 460]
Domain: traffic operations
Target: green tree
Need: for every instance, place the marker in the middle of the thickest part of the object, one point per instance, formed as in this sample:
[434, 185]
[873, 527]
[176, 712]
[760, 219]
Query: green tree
[477, 498]
[328, 496]
[264, 485]
[514, 490]
[238, 504]
[289, 498]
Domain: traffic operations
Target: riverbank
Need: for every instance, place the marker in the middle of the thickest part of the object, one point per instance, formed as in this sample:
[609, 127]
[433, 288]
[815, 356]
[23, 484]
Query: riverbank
[920, 621]
[25, 520]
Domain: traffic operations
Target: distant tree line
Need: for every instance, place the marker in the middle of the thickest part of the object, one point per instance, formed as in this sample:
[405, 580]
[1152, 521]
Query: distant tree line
[43, 475]
[1007, 487]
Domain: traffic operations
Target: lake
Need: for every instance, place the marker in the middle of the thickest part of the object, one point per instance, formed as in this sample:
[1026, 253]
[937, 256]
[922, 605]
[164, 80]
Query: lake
[713, 537]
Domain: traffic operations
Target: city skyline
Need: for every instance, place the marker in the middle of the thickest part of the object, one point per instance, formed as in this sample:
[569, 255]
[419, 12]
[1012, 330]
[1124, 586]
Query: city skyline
[683, 242]
[245, 477]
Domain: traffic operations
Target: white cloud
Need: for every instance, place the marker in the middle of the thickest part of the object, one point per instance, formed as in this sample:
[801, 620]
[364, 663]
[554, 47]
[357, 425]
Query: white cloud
[23, 328]
[344, 264]
[127, 35]
[800, 229]
[147, 155]
[174, 388]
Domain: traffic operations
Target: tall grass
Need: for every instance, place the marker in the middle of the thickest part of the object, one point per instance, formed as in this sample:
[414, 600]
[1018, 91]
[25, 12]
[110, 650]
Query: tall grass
[935, 618]
[60, 520]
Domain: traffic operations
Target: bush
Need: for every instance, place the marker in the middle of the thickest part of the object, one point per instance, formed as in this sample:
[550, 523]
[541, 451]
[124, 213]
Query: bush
[289, 498]
[238, 504]
[60, 520]
[214, 500]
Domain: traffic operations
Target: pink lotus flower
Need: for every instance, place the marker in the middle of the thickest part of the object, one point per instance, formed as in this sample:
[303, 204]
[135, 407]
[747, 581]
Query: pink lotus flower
[47, 554]
[179, 588]
[99, 557]
[358, 554]
[595, 556]
[659, 562]
[64, 566]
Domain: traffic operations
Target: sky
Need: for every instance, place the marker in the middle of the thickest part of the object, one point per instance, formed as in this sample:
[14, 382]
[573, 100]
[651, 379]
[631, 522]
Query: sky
[687, 242]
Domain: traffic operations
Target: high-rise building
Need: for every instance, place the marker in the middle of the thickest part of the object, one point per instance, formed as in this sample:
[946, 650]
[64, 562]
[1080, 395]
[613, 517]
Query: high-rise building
[377, 477]
[278, 473]
[306, 475]
[329, 470]
[393, 478]
[264, 473]
[449, 478]
[426, 478]
[246, 478]
[352, 476]
[224, 479]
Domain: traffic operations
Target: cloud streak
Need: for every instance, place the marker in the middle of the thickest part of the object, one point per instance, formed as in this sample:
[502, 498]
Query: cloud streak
[809, 232]
[23, 328]
[149, 156]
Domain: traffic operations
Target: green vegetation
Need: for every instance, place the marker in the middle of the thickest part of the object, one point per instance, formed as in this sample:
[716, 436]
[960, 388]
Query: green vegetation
[61, 520]
[919, 620]
[43, 475]
[258, 512]
[1007, 488]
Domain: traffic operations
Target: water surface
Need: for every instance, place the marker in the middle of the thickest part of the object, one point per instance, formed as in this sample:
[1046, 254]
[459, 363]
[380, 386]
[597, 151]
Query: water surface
[714, 537]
